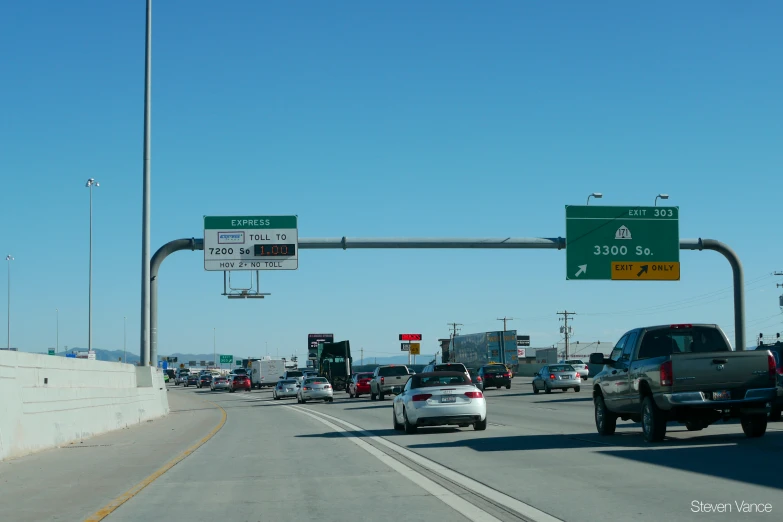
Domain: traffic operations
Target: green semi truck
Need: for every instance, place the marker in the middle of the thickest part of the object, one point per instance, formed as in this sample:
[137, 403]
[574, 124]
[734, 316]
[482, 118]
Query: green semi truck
[334, 363]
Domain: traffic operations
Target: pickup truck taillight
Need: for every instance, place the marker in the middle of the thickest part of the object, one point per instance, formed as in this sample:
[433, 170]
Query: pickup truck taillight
[667, 376]
[382, 379]
[772, 367]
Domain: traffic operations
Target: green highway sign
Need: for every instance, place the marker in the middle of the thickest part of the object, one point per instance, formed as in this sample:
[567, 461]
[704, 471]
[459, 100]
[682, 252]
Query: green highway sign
[251, 243]
[226, 359]
[622, 243]
[239, 363]
[51, 351]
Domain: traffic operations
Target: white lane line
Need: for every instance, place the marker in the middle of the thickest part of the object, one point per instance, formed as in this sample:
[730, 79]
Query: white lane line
[453, 501]
[470, 484]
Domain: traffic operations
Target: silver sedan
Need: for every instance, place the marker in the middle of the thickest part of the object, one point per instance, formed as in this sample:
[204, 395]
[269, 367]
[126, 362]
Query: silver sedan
[219, 382]
[315, 388]
[286, 389]
[557, 377]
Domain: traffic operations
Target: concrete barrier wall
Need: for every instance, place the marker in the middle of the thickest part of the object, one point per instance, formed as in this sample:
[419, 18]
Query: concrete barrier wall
[48, 401]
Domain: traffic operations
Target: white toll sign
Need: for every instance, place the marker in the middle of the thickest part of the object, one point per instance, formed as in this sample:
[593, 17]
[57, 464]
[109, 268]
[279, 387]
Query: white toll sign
[251, 243]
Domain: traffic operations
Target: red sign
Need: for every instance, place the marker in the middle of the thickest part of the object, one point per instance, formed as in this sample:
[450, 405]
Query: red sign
[410, 337]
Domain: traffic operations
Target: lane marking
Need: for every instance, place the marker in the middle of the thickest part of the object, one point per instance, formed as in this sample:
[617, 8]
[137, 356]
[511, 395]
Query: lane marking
[525, 510]
[132, 492]
[452, 500]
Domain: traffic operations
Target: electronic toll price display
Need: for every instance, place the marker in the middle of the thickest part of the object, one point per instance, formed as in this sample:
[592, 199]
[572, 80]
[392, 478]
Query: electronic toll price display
[251, 243]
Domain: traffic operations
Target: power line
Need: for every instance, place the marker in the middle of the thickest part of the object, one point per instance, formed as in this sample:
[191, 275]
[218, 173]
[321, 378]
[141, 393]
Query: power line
[567, 333]
[504, 319]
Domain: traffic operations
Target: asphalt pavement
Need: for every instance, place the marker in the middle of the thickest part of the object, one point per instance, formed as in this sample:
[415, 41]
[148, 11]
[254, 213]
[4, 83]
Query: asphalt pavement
[540, 459]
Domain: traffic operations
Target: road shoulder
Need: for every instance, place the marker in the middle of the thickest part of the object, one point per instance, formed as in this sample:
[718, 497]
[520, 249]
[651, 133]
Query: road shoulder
[74, 481]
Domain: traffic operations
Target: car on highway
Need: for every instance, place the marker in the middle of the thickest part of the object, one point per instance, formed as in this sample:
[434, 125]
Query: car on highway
[580, 366]
[315, 388]
[191, 380]
[476, 379]
[386, 378]
[439, 399]
[686, 373]
[360, 384]
[182, 376]
[239, 382]
[495, 375]
[219, 382]
[776, 406]
[205, 379]
[557, 377]
[294, 374]
[285, 389]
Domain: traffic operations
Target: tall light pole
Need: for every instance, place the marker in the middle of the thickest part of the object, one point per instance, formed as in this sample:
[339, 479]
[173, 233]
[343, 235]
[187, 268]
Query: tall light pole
[214, 347]
[596, 195]
[9, 259]
[145, 355]
[660, 196]
[124, 342]
[90, 184]
[57, 345]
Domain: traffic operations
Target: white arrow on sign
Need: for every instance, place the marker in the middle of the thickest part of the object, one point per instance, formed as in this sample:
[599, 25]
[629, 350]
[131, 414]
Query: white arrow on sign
[582, 270]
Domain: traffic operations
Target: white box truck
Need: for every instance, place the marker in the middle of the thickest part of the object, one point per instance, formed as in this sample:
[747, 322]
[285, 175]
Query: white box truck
[266, 372]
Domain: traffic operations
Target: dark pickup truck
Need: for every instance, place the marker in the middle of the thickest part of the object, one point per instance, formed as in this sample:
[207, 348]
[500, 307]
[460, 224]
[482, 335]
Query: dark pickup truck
[684, 373]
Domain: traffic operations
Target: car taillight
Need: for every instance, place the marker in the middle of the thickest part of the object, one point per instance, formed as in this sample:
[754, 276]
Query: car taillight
[328, 386]
[478, 379]
[772, 366]
[306, 387]
[507, 375]
[552, 376]
[474, 395]
[421, 397]
[667, 376]
[382, 379]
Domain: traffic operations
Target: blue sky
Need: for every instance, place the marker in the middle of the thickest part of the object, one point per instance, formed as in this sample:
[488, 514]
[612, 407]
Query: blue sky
[422, 119]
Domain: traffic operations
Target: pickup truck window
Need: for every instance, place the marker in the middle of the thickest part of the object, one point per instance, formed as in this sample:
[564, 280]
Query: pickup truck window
[618, 349]
[390, 371]
[630, 344]
[658, 343]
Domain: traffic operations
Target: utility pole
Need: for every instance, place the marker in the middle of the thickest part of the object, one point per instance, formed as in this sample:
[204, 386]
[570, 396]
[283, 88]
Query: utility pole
[504, 319]
[567, 333]
[452, 335]
[362, 358]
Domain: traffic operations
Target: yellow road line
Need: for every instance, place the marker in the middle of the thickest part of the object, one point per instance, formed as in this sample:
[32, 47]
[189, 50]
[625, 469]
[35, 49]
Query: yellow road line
[132, 492]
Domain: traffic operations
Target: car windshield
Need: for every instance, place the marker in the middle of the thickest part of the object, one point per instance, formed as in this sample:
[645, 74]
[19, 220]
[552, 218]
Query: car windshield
[575, 362]
[449, 368]
[494, 369]
[364, 376]
[561, 368]
[288, 381]
[440, 380]
[696, 339]
[390, 371]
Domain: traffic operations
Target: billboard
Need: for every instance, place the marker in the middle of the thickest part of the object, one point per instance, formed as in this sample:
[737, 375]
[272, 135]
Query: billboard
[523, 340]
[312, 343]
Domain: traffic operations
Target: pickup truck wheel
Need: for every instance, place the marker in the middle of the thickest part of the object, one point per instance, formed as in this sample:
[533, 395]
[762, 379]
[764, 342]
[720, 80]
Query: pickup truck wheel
[605, 420]
[381, 396]
[653, 421]
[754, 425]
[410, 429]
[373, 397]
[774, 414]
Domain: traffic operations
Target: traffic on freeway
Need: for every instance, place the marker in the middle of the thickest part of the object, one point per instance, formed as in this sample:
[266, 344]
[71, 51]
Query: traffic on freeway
[437, 449]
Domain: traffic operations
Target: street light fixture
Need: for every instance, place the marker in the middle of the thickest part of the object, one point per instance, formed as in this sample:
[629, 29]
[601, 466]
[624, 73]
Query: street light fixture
[660, 196]
[9, 258]
[596, 195]
[90, 184]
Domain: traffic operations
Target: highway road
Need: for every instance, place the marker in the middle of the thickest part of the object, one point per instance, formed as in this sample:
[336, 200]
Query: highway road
[540, 459]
